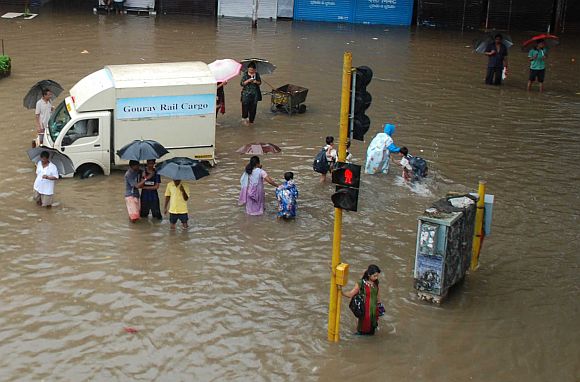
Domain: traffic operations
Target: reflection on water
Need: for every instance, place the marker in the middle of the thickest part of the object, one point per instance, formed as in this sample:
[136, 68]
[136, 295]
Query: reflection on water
[240, 297]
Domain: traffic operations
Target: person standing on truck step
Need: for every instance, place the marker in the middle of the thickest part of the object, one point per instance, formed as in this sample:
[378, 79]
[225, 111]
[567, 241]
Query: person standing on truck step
[149, 195]
[42, 113]
[178, 194]
[251, 94]
[132, 186]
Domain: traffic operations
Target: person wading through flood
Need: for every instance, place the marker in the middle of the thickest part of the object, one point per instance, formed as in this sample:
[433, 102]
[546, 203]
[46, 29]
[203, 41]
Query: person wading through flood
[497, 53]
[149, 195]
[252, 193]
[132, 186]
[368, 286]
[46, 175]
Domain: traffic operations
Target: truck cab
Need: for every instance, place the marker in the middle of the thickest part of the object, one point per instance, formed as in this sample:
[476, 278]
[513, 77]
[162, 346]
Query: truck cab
[83, 137]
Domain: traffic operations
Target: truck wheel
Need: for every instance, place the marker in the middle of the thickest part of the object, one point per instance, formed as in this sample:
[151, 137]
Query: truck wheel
[89, 171]
[302, 109]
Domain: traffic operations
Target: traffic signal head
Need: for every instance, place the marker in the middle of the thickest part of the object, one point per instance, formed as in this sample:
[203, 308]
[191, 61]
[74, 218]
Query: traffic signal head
[346, 174]
[362, 101]
[345, 198]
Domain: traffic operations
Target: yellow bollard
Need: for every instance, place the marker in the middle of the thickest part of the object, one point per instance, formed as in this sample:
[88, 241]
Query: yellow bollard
[478, 235]
[334, 304]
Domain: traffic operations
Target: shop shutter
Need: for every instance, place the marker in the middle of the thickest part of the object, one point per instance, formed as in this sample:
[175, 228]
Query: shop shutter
[286, 8]
[141, 4]
[455, 14]
[571, 17]
[243, 8]
[324, 10]
[498, 15]
[189, 7]
[387, 12]
[533, 15]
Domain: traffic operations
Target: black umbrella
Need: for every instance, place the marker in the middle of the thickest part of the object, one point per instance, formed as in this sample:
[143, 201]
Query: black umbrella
[35, 92]
[481, 45]
[181, 168]
[63, 163]
[142, 150]
[262, 66]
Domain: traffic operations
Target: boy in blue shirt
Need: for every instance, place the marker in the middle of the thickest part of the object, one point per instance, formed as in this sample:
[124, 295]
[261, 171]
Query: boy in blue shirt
[537, 57]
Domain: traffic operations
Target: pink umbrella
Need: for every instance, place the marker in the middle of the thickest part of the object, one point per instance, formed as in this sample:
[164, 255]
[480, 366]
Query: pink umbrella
[224, 70]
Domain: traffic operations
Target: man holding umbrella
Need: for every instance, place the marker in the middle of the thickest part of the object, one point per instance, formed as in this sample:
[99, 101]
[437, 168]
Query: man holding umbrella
[497, 53]
[133, 182]
[537, 55]
[43, 110]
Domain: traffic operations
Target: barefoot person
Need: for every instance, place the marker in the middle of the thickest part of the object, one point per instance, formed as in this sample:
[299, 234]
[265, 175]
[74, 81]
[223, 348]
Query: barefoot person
[46, 175]
[537, 57]
[251, 94]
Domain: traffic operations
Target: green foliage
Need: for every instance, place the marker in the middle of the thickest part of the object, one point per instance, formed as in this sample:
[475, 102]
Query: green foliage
[5, 64]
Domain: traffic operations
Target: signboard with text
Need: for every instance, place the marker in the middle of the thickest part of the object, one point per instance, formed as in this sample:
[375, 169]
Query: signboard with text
[165, 106]
[386, 12]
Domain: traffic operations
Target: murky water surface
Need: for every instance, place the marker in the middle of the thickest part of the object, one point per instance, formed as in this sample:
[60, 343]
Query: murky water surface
[238, 298]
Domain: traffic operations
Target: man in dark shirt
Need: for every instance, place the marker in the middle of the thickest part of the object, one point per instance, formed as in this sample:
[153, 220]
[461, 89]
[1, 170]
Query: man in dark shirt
[497, 53]
[149, 195]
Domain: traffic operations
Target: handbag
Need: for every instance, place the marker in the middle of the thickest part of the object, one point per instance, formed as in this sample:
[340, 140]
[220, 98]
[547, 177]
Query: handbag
[357, 305]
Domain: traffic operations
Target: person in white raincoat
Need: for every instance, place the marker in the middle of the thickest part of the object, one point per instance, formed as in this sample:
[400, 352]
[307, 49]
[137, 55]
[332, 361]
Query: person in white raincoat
[379, 151]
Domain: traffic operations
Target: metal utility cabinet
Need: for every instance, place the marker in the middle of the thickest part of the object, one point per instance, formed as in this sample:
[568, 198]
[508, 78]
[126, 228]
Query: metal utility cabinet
[444, 245]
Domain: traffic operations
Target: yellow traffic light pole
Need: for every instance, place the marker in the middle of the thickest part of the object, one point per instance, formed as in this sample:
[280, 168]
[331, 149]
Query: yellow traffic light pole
[335, 297]
[478, 236]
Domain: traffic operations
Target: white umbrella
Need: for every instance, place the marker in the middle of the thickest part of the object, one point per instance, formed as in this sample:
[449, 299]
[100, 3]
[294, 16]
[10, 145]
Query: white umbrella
[226, 69]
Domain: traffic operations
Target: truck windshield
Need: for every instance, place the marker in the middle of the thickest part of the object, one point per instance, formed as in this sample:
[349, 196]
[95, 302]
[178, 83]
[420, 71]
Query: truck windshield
[58, 120]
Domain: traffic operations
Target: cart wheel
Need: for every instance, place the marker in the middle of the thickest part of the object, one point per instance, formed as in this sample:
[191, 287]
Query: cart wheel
[302, 109]
[274, 108]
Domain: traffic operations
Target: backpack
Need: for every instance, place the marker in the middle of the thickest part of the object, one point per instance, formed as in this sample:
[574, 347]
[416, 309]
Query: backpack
[420, 168]
[320, 163]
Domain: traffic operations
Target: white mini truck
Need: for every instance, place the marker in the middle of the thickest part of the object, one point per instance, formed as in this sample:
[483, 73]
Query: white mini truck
[171, 103]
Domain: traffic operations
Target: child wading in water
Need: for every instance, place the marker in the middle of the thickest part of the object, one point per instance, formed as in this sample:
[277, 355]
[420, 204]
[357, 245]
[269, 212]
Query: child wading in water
[286, 194]
[408, 173]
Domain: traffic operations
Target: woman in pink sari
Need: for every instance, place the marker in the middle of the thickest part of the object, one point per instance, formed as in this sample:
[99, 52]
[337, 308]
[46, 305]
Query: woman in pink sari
[252, 192]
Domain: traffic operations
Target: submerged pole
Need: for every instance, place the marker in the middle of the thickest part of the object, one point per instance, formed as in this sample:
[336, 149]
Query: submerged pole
[478, 235]
[255, 14]
[335, 297]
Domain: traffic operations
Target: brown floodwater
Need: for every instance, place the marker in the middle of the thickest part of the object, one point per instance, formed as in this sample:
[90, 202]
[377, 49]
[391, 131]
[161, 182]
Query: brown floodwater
[240, 298]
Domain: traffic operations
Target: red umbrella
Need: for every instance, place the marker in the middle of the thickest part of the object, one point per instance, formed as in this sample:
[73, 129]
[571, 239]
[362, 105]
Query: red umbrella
[549, 39]
[259, 148]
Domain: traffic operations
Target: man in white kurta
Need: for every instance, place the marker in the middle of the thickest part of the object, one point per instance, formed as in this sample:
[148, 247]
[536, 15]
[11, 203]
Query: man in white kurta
[46, 175]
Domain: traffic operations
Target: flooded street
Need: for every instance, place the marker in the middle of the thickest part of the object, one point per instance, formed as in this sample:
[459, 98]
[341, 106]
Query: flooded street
[240, 298]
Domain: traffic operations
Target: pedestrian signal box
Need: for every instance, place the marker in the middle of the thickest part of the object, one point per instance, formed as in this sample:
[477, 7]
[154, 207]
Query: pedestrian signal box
[346, 174]
[347, 178]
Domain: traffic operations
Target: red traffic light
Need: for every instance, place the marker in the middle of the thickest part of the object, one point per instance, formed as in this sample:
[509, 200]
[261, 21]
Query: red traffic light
[346, 174]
